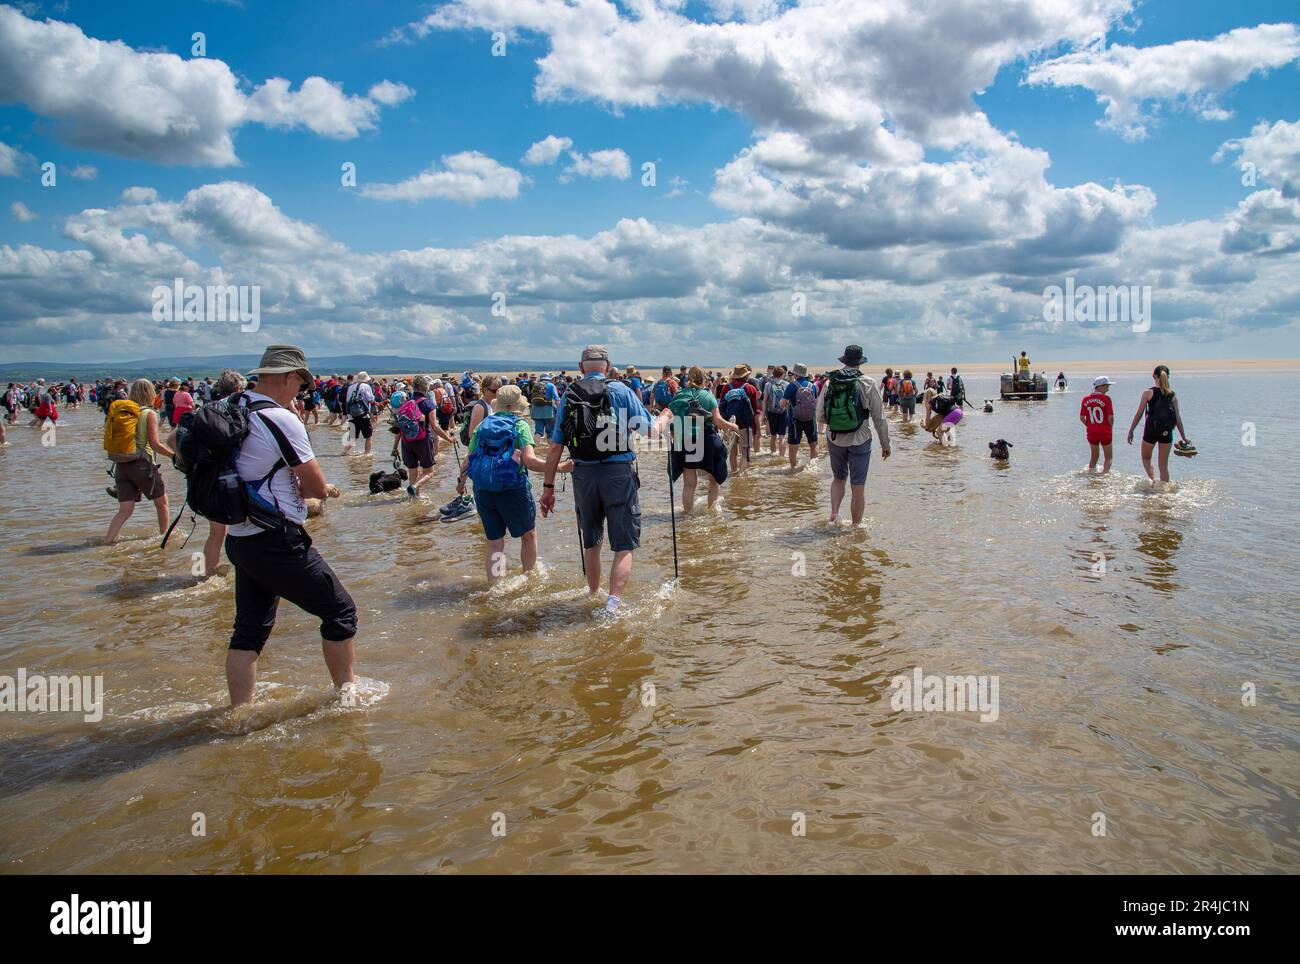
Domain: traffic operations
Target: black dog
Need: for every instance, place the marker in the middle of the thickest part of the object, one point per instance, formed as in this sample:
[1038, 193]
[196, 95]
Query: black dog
[998, 450]
[386, 481]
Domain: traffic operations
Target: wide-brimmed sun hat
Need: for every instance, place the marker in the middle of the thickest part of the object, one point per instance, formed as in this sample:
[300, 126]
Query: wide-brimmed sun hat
[280, 359]
[801, 371]
[510, 399]
[740, 371]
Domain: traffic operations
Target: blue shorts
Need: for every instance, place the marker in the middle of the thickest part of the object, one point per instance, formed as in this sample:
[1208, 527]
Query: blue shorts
[543, 427]
[799, 429]
[512, 510]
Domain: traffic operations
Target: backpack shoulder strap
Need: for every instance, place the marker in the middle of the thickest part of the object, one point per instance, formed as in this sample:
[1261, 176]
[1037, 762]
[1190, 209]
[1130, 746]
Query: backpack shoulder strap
[288, 457]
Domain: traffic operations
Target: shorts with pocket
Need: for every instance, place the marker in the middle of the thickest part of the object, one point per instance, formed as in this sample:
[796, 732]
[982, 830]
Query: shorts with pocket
[362, 427]
[512, 510]
[851, 461]
[800, 430]
[606, 493]
[137, 478]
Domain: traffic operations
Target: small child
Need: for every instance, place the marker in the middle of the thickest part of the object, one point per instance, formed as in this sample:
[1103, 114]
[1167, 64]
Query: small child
[1098, 415]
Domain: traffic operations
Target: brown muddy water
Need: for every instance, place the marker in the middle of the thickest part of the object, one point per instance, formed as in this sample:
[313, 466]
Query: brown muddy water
[520, 711]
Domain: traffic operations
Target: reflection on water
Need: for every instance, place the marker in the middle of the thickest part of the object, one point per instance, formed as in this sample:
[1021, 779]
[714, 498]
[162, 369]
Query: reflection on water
[682, 734]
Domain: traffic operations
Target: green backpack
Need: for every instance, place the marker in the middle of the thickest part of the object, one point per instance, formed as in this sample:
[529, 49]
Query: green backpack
[843, 406]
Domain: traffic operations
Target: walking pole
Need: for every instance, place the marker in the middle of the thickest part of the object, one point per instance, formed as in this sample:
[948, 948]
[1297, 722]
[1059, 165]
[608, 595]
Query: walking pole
[672, 512]
[582, 550]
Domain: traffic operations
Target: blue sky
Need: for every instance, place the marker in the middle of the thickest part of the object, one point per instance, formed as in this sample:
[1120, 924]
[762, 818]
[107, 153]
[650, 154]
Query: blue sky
[919, 172]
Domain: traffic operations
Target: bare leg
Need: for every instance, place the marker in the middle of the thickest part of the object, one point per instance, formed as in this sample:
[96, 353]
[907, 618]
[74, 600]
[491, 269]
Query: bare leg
[1096, 452]
[124, 510]
[241, 674]
[528, 550]
[212, 547]
[338, 660]
[1164, 461]
[688, 489]
[1147, 448]
[837, 496]
[715, 490]
[592, 557]
[160, 504]
[619, 572]
[1109, 451]
[857, 502]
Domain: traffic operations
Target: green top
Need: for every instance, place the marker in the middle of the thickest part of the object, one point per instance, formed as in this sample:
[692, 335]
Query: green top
[523, 434]
[681, 403]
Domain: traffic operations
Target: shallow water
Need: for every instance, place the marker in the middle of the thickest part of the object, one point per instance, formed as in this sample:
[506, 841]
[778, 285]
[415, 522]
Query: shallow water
[1120, 691]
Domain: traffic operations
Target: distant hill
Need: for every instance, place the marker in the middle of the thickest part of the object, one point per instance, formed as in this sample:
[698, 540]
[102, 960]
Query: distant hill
[214, 364]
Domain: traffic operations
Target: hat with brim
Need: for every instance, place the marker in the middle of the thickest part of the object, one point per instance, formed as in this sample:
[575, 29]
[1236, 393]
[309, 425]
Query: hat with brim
[1100, 380]
[281, 359]
[801, 371]
[852, 356]
[510, 399]
[363, 377]
[740, 371]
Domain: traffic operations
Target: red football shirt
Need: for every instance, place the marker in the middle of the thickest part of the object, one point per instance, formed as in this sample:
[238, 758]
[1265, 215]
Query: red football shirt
[1097, 413]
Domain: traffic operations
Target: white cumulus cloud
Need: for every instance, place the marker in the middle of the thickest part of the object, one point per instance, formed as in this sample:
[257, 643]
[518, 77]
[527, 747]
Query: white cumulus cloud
[107, 96]
[1190, 74]
[465, 177]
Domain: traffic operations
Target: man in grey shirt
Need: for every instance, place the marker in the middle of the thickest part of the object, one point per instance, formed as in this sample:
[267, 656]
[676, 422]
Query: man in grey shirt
[850, 452]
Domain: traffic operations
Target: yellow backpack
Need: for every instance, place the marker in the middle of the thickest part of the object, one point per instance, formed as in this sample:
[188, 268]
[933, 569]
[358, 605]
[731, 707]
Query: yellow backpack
[119, 430]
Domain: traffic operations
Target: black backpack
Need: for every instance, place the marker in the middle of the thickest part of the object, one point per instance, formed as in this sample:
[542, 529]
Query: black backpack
[207, 444]
[587, 413]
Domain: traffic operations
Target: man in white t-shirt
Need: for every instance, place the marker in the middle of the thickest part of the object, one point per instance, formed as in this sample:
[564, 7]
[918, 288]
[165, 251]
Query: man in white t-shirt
[358, 404]
[276, 559]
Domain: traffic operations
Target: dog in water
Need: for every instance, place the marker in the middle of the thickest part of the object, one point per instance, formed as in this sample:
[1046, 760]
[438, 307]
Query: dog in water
[382, 481]
[998, 450]
[316, 507]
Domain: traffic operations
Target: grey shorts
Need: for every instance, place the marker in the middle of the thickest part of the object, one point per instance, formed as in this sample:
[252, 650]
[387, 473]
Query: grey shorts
[851, 462]
[607, 493]
[138, 478]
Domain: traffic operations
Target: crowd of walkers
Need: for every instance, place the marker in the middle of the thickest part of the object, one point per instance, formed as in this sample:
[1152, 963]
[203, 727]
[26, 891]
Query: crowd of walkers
[242, 445]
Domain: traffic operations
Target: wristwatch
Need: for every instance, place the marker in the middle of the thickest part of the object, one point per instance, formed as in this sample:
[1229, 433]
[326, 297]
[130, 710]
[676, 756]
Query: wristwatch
[548, 485]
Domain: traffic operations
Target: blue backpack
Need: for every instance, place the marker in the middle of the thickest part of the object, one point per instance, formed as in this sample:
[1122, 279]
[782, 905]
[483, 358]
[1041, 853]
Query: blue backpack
[736, 405]
[492, 466]
[662, 395]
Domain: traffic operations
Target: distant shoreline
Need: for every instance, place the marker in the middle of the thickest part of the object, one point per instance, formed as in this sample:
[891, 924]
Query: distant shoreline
[1073, 369]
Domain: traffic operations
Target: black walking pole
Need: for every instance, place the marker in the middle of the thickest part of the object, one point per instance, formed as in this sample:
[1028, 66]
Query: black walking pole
[672, 512]
[582, 550]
